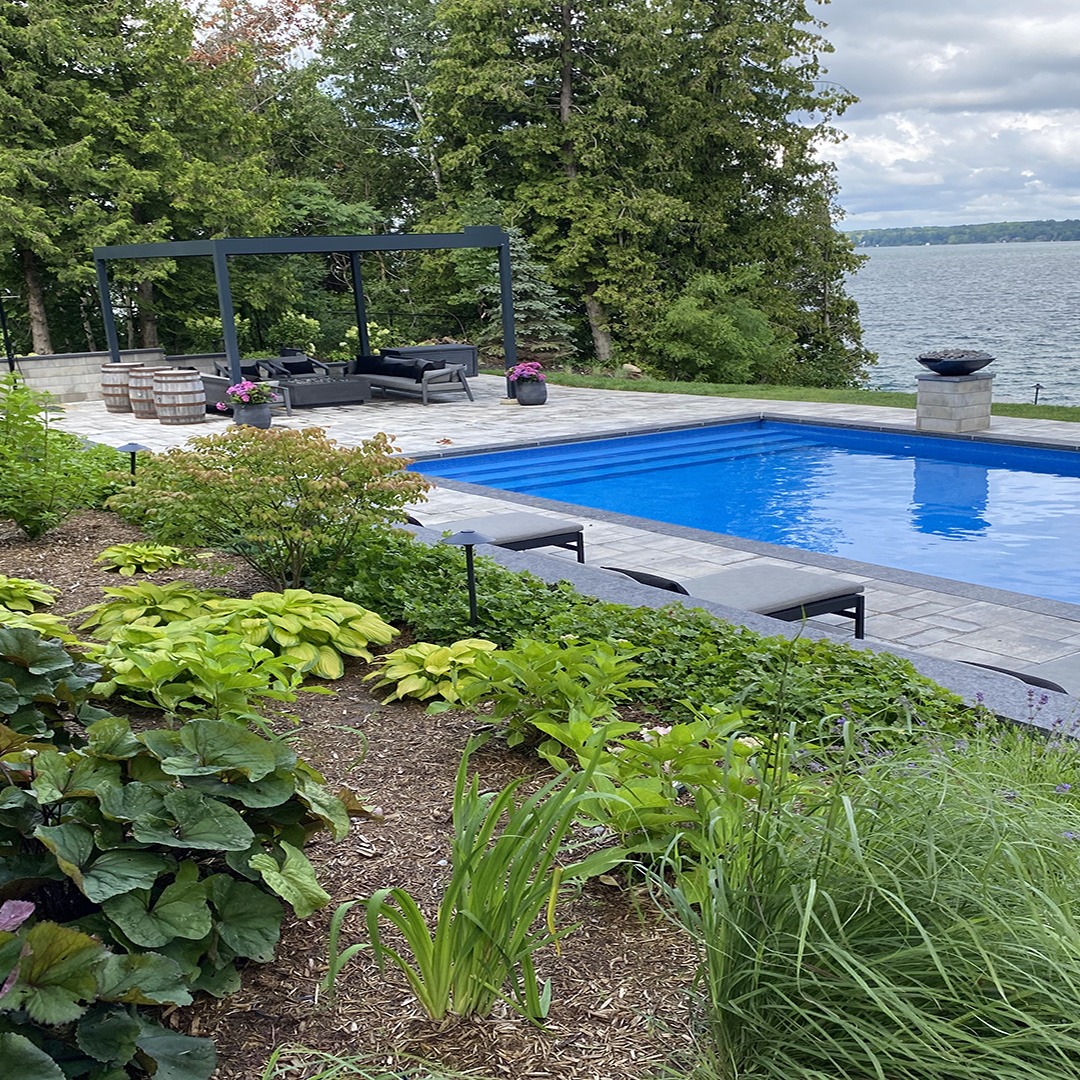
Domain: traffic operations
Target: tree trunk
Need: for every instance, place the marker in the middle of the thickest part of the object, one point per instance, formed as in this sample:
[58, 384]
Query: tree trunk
[147, 314]
[40, 341]
[87, 325]
[598, 326]
[566, 88]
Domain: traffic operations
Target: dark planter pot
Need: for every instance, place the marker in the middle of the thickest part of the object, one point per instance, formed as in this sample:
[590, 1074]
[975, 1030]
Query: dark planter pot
[530, 393]
[252, 415]
[955, 361]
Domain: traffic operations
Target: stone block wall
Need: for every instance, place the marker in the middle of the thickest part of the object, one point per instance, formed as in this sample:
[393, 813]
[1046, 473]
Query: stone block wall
[77, 376]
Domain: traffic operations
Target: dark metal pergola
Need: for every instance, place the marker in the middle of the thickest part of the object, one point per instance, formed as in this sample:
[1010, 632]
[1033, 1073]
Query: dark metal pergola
[479, 236]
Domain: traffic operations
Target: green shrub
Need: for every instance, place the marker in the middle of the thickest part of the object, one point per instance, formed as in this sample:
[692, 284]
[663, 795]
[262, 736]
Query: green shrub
[193, 668]
[155, 863]
[534, 683]
[692, 659]
[45, 475]
[147, 604]
[279, 499]
[42, 687]
[914, 919]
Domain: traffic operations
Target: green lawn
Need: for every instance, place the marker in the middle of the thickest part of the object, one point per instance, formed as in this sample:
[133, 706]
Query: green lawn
[891, 398]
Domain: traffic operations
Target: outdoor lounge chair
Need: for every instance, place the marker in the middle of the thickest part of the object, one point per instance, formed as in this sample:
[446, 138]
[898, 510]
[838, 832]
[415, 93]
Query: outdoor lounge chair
[520, 531]
[776, 591]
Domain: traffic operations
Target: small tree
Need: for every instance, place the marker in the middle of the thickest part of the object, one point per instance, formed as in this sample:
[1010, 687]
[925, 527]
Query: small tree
[279, 499]
[714, 332]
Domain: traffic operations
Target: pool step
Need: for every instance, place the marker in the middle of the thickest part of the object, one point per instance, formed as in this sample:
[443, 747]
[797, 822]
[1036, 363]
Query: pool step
[584, 462]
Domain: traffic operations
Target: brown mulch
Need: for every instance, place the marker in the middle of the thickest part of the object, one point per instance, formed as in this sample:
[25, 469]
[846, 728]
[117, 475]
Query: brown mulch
[619, 988]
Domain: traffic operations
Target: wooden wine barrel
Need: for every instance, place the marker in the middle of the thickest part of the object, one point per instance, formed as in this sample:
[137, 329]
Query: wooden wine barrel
[179, 397]
[114, 386]
[141, 392]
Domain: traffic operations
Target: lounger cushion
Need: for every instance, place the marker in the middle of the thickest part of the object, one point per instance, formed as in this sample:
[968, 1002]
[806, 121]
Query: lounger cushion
[764, 588]
[513, 528]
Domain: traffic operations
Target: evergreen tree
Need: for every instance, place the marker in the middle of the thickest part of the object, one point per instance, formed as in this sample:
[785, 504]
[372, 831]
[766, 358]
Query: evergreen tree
[639, 143]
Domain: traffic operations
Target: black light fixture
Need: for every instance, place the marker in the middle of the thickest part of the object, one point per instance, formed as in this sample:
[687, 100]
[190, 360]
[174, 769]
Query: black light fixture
[132, 448]
[1038, 386]
[468, 540]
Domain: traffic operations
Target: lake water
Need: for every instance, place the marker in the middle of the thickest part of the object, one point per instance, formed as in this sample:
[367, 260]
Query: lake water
[1018, 302]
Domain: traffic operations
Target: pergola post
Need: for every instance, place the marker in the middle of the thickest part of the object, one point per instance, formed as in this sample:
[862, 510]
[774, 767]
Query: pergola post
[228, 314]
[358, 299]
[112, 341]
[506, 301]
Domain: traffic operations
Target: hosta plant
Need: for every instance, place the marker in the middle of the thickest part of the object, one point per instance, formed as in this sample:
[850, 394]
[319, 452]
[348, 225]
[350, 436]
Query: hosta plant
[193, 668]
[146, 603]
[424, 670]
[308, 631]
[43, 622]
[142, 558]
[24, 594]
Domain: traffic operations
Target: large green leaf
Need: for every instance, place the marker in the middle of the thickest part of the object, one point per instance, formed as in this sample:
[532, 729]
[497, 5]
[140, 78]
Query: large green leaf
[180, 911]
[56, 974]
[63, 776]
[108, 1034]
[72, 844]
[143, 979]
[117, 872]
[133, 801]
[22, 1060]
[272, 790]
[161, 743]
[176, 1057]
[249, 919]
[327, 807]
[197, 822]
[215, 746]
[293, 880]
[112, 738]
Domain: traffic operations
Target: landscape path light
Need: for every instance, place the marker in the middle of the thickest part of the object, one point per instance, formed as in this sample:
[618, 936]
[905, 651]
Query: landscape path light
[468, 539]
[132, 448]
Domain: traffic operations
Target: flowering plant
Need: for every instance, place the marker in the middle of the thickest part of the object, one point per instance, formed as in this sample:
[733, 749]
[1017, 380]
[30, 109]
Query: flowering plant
[527, 372]
[247, 393]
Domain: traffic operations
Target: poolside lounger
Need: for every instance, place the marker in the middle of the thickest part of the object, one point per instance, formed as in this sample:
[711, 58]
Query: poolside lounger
[776, 591]
[521, 531]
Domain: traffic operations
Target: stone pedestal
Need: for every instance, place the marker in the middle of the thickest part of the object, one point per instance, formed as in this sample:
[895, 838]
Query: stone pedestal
[953, 403]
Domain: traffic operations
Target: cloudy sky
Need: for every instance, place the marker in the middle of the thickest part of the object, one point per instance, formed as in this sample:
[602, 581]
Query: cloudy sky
[969, 110]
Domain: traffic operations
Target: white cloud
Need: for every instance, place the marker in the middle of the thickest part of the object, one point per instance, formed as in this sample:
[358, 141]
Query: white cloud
[969, 110]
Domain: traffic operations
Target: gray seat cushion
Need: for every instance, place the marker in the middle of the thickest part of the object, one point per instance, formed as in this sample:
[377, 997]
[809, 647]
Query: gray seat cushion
[765, 588]
[514, 528]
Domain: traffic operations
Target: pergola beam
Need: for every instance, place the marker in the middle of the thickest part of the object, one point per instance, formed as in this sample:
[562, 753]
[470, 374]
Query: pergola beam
[478, 236]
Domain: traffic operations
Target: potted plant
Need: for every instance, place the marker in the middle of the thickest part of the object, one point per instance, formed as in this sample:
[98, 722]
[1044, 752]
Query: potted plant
[250, 403]
[528, 382]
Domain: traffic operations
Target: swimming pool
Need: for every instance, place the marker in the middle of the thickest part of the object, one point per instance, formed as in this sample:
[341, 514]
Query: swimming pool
[1003, 516]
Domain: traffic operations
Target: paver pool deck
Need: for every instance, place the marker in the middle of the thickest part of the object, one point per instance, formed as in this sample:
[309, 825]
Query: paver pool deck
[920, 613]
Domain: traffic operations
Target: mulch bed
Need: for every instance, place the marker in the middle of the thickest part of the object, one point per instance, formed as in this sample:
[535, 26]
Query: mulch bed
[619, 988]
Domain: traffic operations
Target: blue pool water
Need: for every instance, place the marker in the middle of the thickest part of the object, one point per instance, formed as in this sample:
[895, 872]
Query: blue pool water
[1008, 517]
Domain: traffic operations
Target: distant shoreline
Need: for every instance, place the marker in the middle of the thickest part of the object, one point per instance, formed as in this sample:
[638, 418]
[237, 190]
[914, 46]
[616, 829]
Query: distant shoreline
[1000, 232]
